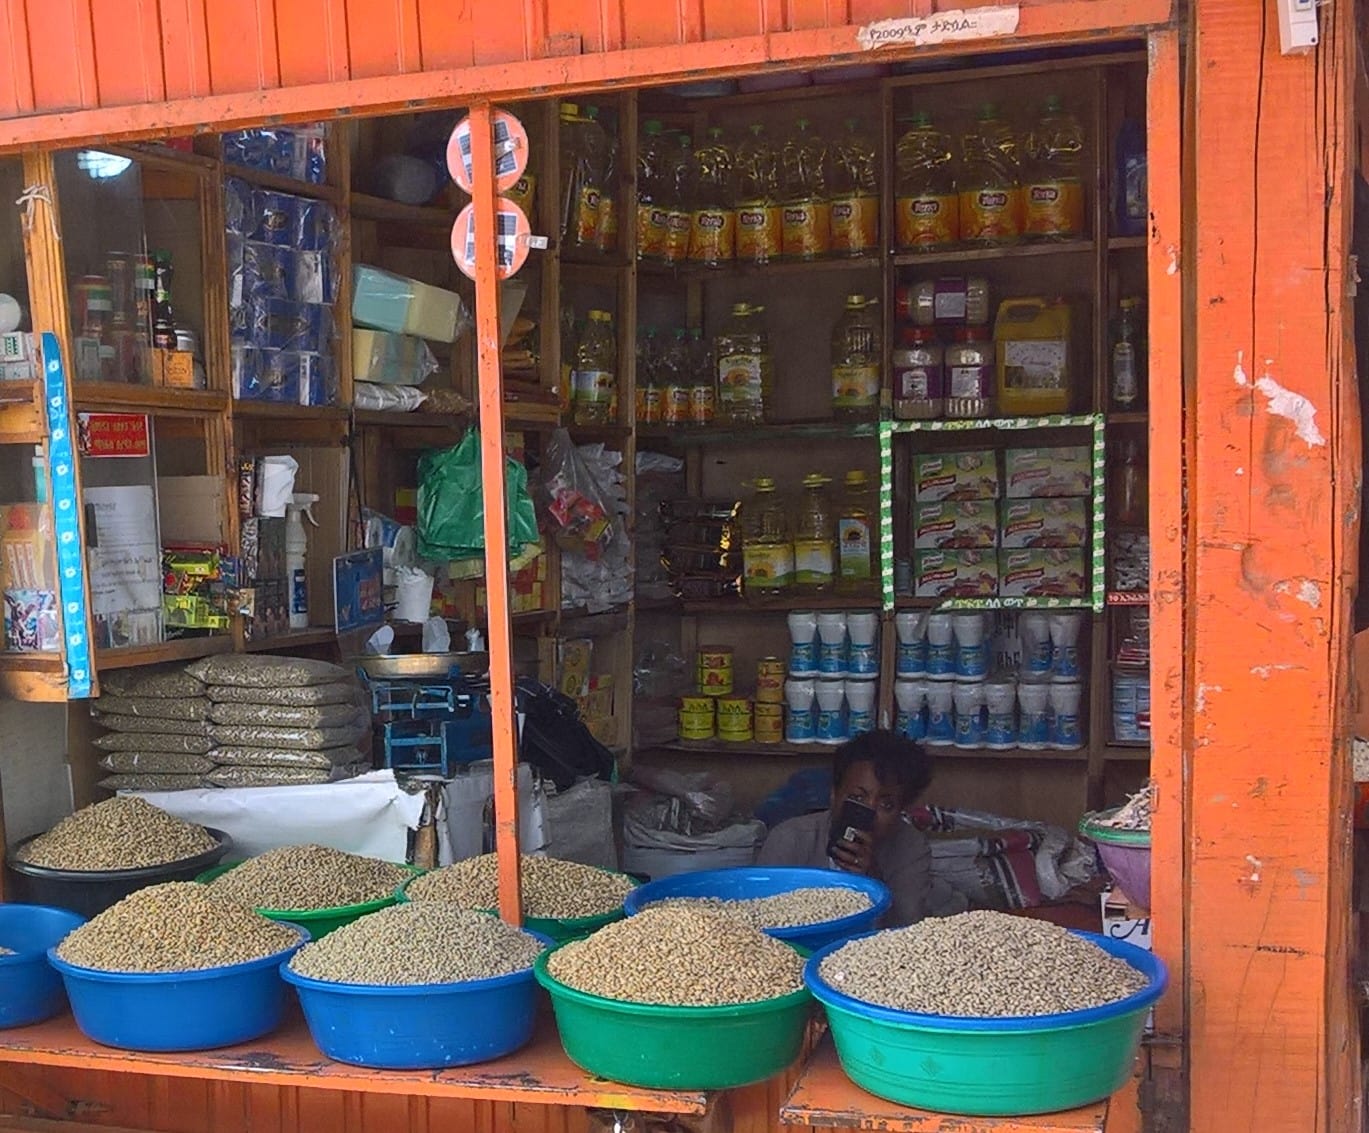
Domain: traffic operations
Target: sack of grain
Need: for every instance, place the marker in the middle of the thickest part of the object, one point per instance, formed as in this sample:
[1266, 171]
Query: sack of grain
[266, 776]
[303, 739]
[156, 763]
[230, 755]
[152, 725]
[281, 716]
[138, 782]
[335, 692]
[250, 670]
[153, 741]
[171, 684]
[157, 708]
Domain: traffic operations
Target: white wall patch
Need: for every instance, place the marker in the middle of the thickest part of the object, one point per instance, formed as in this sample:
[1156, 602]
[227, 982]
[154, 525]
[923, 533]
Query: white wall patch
[940, 27]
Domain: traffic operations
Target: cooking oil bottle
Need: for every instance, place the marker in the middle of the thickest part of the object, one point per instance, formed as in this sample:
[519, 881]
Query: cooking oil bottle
[806, 231]
[569, 344]
[760, 225]
[767, 550]
[606, 235]
[713, 227]
[990, 186]
[680, 212]
[581, 178]
[650, 388]
[653, 212]
[855, 193]
[1052, 191]
[745, 370]
[814, 537]
[926, 205]
[856, 361]
[856, 533]
[595, 378]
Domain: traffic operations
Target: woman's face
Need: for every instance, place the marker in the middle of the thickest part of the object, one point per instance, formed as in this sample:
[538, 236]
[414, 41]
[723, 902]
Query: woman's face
[862, 784]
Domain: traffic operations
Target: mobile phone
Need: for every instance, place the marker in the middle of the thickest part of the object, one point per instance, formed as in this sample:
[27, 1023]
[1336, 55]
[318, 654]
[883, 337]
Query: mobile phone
[851, 817]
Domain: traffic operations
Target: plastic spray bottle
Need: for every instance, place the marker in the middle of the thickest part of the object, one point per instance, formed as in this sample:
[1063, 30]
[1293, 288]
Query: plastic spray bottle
[296, 548]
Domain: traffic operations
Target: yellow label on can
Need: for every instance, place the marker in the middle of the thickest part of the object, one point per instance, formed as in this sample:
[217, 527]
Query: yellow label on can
[696, 704]
[988, 215]
[855, 225]
[696, 726]
[806, 230]
[1053, 208]
[928, 221]
[760, 233]
[713, 236]
[769, 723]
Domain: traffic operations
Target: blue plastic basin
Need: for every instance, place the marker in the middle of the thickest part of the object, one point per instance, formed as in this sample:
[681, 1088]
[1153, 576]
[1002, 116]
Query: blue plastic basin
[745, 882]
[1007, 1066]
[30, 991]
[170, 1011]
[419, 1026]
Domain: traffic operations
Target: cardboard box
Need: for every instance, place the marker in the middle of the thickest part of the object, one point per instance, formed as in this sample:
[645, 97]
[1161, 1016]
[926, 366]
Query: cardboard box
[1130, 923]
[955, 523]
[955, 574]
[576, 656]
[173, 368]
[18, 371]
[1042, 572]
[955, 476]
[17, 346]
[1045, 522]
[1032, 472]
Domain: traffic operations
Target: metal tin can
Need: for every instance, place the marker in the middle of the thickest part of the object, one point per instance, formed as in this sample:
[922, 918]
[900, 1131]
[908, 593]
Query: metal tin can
[696, 725]
[770, 675]
[736, 728]
[733, 707]
[769, 722]
[695, 704]
[715, 670]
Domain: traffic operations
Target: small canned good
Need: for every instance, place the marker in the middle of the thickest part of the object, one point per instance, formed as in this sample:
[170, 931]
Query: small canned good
[697, 704]
[715, 670]
[770, 675]
[732, 707]
[696, 725]
[769, 723]
[739, 733]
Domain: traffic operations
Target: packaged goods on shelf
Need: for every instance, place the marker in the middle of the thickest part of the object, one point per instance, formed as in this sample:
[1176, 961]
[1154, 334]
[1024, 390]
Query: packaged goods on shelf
[1131, 707]
[17, 357]
[286, 151]
[955, 574]
[398, 359]
[1031, 472]
[969, 475]
[949, 524]
[1032, 344]
[1129, 561]
[385, 301]
[1044, 522]
[1042, 572]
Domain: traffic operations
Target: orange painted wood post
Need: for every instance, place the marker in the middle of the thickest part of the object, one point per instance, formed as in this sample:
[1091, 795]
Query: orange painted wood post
[1274, 488]
[500, 627]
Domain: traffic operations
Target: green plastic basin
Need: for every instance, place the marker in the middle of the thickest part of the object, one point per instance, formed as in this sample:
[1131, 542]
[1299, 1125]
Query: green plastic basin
[994, 1067]
[319, 922]
[677, 1048]
[561, 930]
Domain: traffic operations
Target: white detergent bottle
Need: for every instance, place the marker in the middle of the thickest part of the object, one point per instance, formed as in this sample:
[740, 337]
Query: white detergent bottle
[296, 548]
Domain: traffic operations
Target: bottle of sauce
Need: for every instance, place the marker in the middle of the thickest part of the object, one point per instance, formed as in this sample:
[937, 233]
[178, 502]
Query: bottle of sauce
[653, 214]
[595, 378]
[855, 194]
[806, 228]
[856, 535]
[971, 376]
[1128, 356]
[680, 210]
[760, 227]
[767, 549]
[919, 375]
[744, 367]
[713, 226]
[857, 357]
[926, 205]
[814, 537]
[990, 185]
[1052, 191]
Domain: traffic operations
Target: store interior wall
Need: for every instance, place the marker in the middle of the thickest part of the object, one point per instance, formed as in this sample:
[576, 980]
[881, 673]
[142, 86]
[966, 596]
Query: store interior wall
[33, 767]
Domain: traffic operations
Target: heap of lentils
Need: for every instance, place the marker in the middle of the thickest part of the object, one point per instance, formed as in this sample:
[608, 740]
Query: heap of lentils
[431, 943]
[308, 878]
[176, 927]
[120, 833]
[678, 956]
[809, 905]
[980, 965]
[552, 889]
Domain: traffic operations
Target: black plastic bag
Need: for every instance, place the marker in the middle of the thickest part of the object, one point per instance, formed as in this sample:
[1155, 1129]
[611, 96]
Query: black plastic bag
[556, 742]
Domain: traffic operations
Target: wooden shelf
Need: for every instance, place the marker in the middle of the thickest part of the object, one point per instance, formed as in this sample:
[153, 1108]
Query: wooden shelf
[973, 424]
[22, 414]
[870, 601]
[538, 1074]
[417, 419]
[1012, 754]
[128, 398]
[1129, 417]
[749, 748]
[294, 639]
[825, 1097]
[1126, 751]
[779, 432]
[183, 649]
[648, 269]
[1123, 243]
[363, 206]
[259, 177]
[609, 435]
[282, 411]
[983, 255]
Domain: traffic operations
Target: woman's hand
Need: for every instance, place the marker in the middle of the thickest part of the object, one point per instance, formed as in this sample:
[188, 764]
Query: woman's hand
[857, 855]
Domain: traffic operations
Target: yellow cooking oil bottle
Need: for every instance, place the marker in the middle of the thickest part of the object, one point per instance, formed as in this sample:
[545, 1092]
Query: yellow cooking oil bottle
[606, 235]
[653, 206]
[760, 224]
[806, 232]
[857, 361]
[713, 225]
[680, 191]
[1052, 189]
[814, 537]
[595, 379]
[745, 367]
[990, 183]
[857, 532]
[767, 548]
[582, 143]
[926, 205]
[855, 193]
[1032, 345]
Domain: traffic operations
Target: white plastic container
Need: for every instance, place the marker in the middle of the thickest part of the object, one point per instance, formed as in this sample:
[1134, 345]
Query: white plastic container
[296, 551]
[831, 725]
[1034, 632]
[940, 713]
[940, 648]
[910, 660]
[413, 594]
[862, 632]
[1000, 724]
[803, 644]
[1066, 731]
[968, 698]
[860, 707]
[970, 631]
[1033, 723]
[1065, 645]
[910, 697]
[800, 719]
[832, 644]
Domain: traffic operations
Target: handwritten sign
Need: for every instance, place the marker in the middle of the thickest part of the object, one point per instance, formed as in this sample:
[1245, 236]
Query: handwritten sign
[112, 434]
[940, 27]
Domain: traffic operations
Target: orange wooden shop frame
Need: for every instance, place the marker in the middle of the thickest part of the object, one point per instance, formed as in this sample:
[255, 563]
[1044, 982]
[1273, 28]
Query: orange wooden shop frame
[1254, 431]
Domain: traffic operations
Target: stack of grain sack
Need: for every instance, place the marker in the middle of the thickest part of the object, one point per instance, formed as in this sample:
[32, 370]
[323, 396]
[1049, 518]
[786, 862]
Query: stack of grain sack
[232, 721]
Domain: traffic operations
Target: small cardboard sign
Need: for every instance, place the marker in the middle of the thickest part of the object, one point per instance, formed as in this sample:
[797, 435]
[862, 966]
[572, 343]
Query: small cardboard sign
[940, 27]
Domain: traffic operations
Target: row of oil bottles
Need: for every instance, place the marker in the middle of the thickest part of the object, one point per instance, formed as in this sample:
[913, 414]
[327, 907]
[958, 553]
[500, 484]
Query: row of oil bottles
[687, 380]
[805, 197]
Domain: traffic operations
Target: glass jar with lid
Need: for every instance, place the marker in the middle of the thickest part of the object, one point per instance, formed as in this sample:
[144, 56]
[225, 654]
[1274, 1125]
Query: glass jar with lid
[970, 375]
[919, 375]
